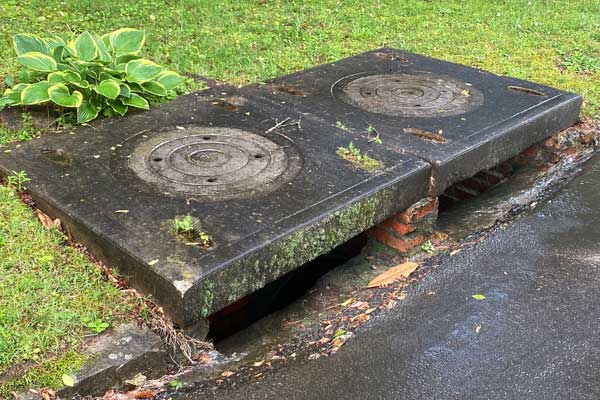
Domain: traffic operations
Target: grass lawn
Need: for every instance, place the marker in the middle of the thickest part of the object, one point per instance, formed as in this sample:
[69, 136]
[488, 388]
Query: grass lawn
[50, 297]
[46, 288]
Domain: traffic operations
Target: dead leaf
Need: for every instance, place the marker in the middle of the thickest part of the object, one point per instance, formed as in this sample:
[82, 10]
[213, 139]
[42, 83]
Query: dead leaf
[227, 374]
[141, 394]
[465, 93]
[287, 324]
[137, 380]
[388, 304]
[434, 137]
[48, 394]
[46, 221]
[361, 305]
[400, 271]
[203, 358]
[361, 318]
[339, 342]
[346, 303]
[258, 363]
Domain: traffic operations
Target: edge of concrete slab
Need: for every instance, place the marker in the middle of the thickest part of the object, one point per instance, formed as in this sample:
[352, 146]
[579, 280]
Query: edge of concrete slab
[506, 140]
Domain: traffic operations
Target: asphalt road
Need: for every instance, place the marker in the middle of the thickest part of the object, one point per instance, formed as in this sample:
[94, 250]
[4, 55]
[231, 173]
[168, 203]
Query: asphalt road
[536, 335]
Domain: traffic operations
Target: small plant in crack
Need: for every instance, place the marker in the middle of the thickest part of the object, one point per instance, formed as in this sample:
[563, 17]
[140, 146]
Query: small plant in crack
[373, 134]
[428, 247]
[185, 229]
[354, 155]
[96, 324]
[17, 180]
[340, 125]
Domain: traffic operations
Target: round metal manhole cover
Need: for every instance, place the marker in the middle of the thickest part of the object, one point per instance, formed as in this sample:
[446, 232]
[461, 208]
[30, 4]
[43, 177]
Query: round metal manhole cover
[409, 95]
[214, 164]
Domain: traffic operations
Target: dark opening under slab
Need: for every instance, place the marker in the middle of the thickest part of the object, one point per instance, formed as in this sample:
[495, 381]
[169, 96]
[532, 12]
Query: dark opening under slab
[270, 199]
[460, 119]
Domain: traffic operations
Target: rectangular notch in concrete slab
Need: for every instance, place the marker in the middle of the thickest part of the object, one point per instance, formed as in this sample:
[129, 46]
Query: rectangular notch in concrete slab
[270, 196]
[459, 119]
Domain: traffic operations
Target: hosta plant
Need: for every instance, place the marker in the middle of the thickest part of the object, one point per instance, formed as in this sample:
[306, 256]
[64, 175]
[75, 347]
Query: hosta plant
[89, 73]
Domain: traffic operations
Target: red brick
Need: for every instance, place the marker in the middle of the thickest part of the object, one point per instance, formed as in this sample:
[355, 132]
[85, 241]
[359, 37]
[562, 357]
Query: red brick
[532, 152]
[550, 143]
[418, 210]
[570, 151]
[402, 245]
[397, 226]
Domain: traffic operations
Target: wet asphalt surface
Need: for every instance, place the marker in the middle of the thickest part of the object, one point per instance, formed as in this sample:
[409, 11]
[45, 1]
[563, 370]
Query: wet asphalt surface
[536, 335]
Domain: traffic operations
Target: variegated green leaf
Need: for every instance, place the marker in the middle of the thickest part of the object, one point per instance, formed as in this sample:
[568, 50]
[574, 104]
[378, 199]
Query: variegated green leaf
[5, 101]
[37, 61]
[108, 88]
[169, 79]
[36, 93]
[106, 40]
[119, 108]
[154, 88]
[86, 64]
[56, 77]
[86, 47]
[136, 101]
[59, 53]
[125, 90]
[136, 87]
[127, 40]
[25, 43]
[74, 78]
[141, 70]
[86, 112]
[103, 53]
[13, 95]
[125, 58]
[54, 42]
[60, 95]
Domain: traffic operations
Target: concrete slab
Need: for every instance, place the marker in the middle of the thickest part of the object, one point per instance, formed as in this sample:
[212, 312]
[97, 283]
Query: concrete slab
[460, 119]
[270, 199]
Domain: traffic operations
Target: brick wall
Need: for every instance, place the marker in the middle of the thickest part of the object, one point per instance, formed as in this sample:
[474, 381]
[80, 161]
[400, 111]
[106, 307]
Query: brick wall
[406, 231]
[409, 229]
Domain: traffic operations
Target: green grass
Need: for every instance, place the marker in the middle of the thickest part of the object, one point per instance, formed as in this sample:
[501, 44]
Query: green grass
[47, 289]
[28, 132]
[246, 41]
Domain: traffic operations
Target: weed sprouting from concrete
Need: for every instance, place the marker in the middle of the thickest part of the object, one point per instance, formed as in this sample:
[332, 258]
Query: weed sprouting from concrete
[428, 247]
[357, 157]
[185, 229]
[17, 180]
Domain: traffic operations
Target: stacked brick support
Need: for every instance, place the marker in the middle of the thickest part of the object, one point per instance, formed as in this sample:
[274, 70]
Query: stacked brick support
[569, 142]
[409, 229]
